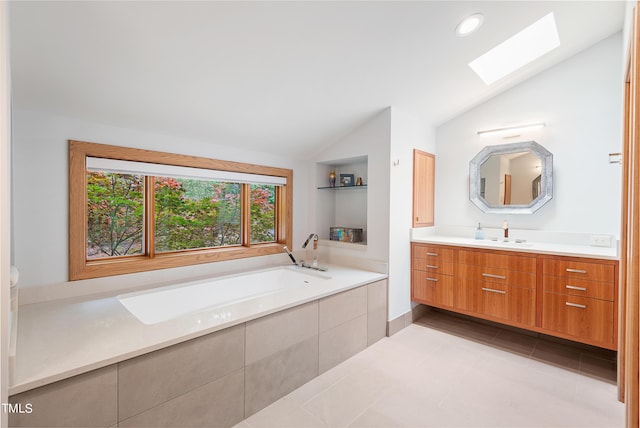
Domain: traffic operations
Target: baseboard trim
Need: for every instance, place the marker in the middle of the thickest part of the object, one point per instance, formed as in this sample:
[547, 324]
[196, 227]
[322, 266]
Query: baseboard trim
[406, 319]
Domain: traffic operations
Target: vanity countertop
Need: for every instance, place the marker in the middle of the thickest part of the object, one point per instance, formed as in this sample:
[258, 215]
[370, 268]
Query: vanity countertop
[60, 339]
[558, 249]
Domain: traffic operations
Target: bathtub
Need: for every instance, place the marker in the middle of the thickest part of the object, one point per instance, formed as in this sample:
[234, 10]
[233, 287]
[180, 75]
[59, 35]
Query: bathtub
[166, 303]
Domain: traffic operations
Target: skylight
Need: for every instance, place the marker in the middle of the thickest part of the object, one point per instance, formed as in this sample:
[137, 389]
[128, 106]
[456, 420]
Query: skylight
[519, 50]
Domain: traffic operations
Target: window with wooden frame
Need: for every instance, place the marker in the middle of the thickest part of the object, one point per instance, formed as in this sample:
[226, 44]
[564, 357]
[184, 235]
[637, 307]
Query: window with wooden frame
[135, 210]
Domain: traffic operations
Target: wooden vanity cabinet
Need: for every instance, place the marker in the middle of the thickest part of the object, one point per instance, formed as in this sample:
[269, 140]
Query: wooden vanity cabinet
[579, 299]
[432, 275]
[569, 297]
[497, 286]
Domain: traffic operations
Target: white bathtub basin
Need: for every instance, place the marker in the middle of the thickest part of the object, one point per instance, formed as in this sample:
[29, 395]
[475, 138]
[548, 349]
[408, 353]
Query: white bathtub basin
[165, 303]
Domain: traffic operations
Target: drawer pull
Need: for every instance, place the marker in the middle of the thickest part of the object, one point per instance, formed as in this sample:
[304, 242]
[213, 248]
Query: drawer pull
[576, 270]
[576, 305]
[573, 287]
[432, 279]
[432, 254]
[432, 267]
[490, 275]
[492, 290]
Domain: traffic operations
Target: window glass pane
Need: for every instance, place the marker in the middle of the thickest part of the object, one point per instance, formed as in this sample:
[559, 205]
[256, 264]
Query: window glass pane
[263, 213]
[115, 205]
[196, 214]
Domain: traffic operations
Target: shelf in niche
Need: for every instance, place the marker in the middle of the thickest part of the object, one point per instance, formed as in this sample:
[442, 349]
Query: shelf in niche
[343, 187]
[340, 244]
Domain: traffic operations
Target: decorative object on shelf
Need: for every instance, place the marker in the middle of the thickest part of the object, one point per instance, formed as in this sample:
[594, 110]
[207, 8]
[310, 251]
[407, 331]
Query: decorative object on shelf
[345, 234]
[359, 181]
[347, 180]
[332, 179]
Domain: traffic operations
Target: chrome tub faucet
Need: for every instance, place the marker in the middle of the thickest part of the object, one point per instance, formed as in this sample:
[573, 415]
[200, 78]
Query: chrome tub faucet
[314, 237]
[314, 264]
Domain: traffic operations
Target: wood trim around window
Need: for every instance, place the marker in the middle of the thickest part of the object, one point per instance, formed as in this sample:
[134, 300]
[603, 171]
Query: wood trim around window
[81, 268]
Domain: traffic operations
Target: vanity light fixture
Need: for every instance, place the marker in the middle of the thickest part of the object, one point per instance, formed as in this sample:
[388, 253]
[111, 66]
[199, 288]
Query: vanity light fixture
[469, 24]
[517, 51]
[512, 129]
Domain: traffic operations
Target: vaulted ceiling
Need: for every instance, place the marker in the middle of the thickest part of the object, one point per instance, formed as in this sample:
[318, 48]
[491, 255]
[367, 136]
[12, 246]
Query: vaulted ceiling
[283, 77]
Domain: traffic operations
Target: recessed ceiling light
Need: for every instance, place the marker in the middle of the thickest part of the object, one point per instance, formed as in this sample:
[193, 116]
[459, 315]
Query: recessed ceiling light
[524, 47]
[469, 24]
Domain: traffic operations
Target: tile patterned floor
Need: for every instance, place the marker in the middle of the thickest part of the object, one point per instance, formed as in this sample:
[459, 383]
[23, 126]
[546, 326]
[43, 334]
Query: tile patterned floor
[444, 371]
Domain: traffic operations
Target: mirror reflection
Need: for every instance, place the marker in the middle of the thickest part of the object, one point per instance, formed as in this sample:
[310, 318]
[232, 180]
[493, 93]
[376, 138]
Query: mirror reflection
[514, 178]
[510, 179]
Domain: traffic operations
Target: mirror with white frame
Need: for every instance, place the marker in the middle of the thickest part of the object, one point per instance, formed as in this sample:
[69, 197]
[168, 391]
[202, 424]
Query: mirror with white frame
[514, 178]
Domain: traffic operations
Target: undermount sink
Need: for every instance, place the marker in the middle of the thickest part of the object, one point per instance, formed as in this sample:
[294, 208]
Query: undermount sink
[502, 243]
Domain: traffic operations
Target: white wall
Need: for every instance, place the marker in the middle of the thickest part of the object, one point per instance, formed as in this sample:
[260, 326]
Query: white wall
[524, 170]
[581, 102]
[387, 138]
[493, 192]
[371, 140]
[5, 206]
[408, 132]
[41, 202]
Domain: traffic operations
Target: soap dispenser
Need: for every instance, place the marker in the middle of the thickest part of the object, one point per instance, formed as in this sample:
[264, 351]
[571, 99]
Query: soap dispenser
[479, 232]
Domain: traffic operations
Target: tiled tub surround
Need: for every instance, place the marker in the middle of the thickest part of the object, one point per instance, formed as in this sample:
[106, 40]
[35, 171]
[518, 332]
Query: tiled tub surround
[211, 368]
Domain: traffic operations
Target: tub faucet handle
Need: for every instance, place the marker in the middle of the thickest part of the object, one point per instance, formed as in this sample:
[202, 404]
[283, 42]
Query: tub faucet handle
[290, 255]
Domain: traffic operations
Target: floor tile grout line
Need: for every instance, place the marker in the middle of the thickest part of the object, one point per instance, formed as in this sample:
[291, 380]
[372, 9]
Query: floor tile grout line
[384, 392]
[307, 412]
[324, 389]
[535, 346]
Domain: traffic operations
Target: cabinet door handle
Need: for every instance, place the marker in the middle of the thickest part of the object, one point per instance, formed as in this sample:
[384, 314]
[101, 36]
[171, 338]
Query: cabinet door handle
[490, 275]
[576, 305]
[432, 254]
[576, 270]
[573, 287]
[432, 266]
[493, 290]
[432, 279]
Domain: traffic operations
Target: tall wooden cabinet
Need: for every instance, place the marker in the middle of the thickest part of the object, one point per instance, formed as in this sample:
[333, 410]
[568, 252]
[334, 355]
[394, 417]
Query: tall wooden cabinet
[424, 167]
[570, 297]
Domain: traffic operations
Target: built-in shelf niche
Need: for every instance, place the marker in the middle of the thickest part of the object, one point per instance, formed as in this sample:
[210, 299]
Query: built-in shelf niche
[342, 206]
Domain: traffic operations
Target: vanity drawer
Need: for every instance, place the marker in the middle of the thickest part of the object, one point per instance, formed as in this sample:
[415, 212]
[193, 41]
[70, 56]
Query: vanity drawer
[505, 261]
[590, 319]
[580, 270]
[438, 266]
[514, 304]
[579, 287]
[432, 288]
[432, 253]
[497, 275]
